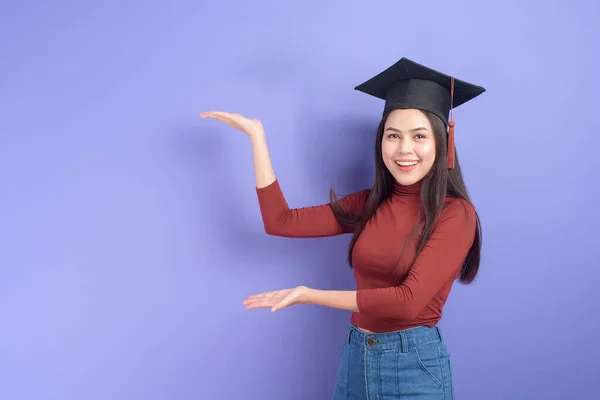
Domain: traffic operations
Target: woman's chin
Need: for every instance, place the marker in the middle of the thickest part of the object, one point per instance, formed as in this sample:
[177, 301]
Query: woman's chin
[407, 179]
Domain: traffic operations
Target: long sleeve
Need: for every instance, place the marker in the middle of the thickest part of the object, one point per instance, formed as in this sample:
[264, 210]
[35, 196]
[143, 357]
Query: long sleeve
[306, 222]
[437, 265]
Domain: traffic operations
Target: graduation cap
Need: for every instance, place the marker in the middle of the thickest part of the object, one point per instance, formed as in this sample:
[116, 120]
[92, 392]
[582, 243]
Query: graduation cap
[407, 84]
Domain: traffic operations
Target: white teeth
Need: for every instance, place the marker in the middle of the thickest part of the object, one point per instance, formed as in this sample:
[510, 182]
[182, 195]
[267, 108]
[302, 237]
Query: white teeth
[406, 163]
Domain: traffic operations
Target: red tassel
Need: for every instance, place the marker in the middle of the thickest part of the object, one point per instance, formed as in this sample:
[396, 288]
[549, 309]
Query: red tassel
[451, 147]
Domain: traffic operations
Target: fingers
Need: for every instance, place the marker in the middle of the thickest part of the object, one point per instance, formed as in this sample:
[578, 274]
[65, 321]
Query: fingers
[266, 303]
[259, 297]
[222, 115]
[214, 114]
[236, 121]
[281, 305]
[262, 300]
[275, 300]
[219, 116]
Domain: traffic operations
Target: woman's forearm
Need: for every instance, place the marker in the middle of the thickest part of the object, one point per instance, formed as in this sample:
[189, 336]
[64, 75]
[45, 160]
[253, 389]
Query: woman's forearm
[263, 168]
[341, 299]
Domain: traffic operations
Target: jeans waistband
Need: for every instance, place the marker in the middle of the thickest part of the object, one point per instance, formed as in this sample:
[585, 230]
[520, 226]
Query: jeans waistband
[402, 340]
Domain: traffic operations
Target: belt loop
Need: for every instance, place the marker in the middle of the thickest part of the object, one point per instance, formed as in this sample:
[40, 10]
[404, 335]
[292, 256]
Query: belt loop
[349, 335]
[439, 331]
[403, 342]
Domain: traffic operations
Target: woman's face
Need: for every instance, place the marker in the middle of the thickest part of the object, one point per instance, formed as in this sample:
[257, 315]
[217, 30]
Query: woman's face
[408, 145]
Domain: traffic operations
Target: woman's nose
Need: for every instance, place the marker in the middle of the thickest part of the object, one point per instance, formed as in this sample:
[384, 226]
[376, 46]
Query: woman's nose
[404, 147]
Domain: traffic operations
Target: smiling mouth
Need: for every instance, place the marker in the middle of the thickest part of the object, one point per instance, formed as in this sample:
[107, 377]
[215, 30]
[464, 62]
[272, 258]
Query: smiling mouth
[406, 163]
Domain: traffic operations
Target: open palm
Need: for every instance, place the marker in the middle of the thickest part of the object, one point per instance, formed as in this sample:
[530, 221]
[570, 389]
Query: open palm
[250, 126]
[275, 300]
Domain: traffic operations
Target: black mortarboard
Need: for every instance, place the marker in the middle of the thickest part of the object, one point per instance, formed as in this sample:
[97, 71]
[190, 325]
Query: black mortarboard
[407, 84]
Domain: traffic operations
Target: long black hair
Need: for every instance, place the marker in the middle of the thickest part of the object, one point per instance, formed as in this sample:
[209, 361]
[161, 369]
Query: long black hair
[439, 183]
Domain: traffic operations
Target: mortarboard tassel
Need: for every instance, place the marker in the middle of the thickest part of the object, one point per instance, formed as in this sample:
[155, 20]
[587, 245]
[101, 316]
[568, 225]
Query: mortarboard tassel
[451, 124]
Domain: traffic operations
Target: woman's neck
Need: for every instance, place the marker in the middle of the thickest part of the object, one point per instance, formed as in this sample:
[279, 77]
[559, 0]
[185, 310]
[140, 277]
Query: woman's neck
[408, 190]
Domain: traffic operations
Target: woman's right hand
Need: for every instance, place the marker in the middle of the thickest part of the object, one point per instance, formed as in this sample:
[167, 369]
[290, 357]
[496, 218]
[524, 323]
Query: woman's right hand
[251, 127]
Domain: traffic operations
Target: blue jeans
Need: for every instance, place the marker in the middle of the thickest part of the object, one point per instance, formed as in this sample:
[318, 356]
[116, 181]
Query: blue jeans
[408, 364]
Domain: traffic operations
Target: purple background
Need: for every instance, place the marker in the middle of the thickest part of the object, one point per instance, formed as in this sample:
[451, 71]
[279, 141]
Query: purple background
[130, 231]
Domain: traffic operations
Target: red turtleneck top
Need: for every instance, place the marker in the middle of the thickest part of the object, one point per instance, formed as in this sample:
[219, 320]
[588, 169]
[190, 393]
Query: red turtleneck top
[392, 293]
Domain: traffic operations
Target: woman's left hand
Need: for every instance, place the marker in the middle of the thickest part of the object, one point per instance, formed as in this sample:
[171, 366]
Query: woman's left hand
[277, 300]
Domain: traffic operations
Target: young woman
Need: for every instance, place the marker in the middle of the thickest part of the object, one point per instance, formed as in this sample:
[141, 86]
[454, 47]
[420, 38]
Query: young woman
[414, 233]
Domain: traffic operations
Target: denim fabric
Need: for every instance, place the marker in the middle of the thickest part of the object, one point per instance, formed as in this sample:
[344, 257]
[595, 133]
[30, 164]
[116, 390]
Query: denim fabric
[409, 364]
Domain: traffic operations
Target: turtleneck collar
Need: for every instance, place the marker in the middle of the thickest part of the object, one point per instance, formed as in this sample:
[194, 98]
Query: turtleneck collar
[407, 190]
